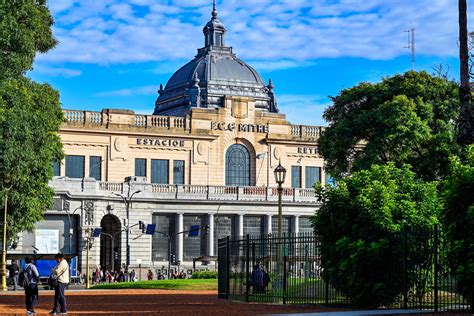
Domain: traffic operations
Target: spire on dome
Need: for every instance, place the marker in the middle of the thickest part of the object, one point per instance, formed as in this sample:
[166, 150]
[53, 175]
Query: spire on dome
[214, 30]
[214, 10]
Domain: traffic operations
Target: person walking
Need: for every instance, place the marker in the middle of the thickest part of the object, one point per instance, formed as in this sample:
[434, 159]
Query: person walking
[14, 270]
[31, 290]
[61, 272]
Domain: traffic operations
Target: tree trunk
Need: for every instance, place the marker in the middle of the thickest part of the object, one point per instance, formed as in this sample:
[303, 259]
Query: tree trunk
[465, 118]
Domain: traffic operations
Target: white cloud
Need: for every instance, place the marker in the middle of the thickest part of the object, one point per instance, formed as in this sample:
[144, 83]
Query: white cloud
[144, 90]
[57, 71]
[274, 33]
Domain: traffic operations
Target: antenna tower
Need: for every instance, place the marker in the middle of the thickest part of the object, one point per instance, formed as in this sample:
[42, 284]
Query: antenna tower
[411, 45]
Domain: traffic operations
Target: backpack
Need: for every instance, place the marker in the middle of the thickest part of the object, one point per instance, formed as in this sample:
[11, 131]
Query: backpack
[23, 279]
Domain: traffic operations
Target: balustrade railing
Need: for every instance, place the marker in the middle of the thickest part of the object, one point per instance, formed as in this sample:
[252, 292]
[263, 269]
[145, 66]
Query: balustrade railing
[139, 120]
[184, 192]
[306, 131]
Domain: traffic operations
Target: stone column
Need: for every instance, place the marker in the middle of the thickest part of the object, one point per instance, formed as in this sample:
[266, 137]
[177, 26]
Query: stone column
[295, 224]
[210, 235]
[240, 225]
[268, 224]
[179, 237]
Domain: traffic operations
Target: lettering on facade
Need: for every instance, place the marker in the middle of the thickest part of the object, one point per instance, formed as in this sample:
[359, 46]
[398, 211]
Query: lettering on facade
[308, 150]
[160, 142]
[251, 128]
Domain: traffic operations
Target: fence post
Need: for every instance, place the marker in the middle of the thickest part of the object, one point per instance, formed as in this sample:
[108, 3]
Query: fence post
[285, 258]
[326, 288]
[227, 286]
[405, 272]
[247, 267]
[436, 267]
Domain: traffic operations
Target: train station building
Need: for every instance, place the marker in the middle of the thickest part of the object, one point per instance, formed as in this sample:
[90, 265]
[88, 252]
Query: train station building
[206, 156]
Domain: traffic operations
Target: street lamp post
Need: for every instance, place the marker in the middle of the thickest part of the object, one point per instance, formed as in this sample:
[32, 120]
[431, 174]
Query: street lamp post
[88, 245]
[280, 174]
[6, 182]
[127, 201]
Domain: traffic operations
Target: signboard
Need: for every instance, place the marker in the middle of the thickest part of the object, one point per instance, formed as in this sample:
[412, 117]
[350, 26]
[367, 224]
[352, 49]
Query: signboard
[96, 233]
[47, 240]
[150, 229]
[194, 231]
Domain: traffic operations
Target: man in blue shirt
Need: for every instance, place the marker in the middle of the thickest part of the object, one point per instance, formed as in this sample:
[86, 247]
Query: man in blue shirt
[31, 290]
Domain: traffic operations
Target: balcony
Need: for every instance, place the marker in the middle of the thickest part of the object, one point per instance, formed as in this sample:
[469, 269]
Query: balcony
[90, 187]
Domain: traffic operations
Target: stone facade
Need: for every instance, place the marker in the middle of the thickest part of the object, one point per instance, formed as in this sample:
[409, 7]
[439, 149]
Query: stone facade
[187, 173]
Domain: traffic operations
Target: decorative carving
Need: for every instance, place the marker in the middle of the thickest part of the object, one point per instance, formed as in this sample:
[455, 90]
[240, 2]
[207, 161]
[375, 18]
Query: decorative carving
[278, 153]
[66, 206]
[120, 144]
[88, 213]
[202, 148]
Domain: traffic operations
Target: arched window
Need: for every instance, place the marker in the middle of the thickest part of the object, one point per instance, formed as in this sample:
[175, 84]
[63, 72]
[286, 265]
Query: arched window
[237, 166]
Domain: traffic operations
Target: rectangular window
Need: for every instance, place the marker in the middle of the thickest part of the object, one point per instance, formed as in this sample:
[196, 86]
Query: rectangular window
[140, 167]
[313, 175]
[160, 171]
[95, 167]
[56, 168]
[75, 166]
[296, 176]
[178, 172]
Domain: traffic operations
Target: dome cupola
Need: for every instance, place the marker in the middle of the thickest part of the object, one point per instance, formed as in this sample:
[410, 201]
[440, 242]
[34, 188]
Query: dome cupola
[215, 72]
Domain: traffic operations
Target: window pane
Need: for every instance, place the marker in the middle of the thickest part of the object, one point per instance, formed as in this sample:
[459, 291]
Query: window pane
[140, 167]
[296, 176]
[159, 171]
[56, 168]
[237, 166]
[95, 167]
[178, 171]
[313, 174]
[75, 166]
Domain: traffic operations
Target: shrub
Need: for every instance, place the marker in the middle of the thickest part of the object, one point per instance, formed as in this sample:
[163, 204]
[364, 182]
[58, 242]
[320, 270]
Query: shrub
[361, 222]
[204, 275]
[458, 219]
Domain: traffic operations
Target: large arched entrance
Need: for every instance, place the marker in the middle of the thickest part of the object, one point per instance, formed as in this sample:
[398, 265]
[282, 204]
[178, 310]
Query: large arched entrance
[110, 243]
[237, 165]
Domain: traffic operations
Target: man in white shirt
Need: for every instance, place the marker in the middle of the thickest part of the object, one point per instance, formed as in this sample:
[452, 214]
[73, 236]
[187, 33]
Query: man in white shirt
[61, 272]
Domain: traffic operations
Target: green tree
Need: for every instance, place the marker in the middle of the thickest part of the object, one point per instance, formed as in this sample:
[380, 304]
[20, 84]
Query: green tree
[361, 222]
[30, 114]
[458, 195]
[405, 119]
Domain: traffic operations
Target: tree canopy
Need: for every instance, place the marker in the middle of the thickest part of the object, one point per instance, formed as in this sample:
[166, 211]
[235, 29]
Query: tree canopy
[25, 30]
[405, 119]
[30, 114]
[458, 196]
[361, 222]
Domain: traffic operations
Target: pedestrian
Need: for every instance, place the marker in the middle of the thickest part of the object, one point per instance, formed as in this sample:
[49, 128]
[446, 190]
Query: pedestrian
[61, 272]
[150, 275]
[259, 279]
[31, 290]
[14, 270]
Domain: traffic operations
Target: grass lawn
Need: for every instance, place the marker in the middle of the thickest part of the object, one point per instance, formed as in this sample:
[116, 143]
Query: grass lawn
[178, 284]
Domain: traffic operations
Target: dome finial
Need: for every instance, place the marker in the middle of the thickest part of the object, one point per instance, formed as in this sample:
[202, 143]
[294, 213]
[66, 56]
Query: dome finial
[214, 9]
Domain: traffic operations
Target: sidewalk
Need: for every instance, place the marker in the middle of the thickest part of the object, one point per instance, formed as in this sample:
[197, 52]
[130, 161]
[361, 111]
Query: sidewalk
[361, 313]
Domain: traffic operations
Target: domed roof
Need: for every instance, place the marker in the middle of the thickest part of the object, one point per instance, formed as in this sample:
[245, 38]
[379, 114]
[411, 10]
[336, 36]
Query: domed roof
[216, 68]
[214, 72]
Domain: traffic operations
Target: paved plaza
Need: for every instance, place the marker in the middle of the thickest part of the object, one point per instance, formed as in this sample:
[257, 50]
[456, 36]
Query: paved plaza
[145, 302]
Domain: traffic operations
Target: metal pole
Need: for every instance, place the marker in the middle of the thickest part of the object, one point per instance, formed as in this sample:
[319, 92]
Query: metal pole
[4, 246]
[88, 285]
[280, 232]
[127, 261]
[169, 257]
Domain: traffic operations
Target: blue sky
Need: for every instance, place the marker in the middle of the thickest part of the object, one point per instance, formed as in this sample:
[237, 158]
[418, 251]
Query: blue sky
[115, 53]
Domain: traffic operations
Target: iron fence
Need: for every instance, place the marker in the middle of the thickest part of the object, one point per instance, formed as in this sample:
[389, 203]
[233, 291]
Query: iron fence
[296, 276]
